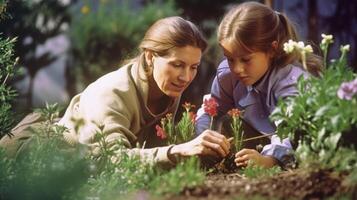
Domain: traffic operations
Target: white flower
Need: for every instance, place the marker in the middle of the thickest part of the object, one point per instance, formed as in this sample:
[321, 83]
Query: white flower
[289, 46]
[300, 45]
[308, 49]
[326, 39]
[345, 48]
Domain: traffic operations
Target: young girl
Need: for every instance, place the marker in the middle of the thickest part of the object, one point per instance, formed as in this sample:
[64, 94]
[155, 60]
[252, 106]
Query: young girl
[255, 74]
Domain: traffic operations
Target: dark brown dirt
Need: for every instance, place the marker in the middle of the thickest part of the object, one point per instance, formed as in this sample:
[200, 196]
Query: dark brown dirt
[297, 184]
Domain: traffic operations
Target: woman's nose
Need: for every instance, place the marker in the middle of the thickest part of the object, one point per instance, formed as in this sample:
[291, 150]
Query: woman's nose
[184, 75]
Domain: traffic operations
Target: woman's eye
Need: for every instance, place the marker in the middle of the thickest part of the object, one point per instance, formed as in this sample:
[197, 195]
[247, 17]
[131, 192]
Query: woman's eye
[195, 67]
[177, 64]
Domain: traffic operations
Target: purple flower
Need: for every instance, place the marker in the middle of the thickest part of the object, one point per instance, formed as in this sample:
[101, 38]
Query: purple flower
[347, 90]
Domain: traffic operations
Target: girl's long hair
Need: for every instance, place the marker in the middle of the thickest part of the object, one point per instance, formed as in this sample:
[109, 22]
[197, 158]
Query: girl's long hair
[254, 26]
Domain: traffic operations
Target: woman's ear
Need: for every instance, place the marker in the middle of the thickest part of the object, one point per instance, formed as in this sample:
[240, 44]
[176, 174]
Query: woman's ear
[149, 57]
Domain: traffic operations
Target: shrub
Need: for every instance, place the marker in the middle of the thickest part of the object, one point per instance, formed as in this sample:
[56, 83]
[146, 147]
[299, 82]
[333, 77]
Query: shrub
[7, 94]
[321, 123]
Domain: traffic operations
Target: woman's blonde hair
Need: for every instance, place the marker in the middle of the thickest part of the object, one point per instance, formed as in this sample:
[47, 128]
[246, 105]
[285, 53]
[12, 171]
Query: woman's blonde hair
[166, 34]
[254, 27]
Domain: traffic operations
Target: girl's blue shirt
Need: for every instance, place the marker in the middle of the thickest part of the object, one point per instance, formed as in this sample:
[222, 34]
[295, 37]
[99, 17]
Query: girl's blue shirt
[258, 101]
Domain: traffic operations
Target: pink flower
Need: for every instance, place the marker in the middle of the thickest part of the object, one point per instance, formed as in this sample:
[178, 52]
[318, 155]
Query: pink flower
[188, 106]
[347, 90]
[210, 106]
[192, 117]
[235, 112]
[160, 132]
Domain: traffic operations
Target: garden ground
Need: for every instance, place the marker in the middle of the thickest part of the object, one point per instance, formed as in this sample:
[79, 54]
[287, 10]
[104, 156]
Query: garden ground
[294, 184]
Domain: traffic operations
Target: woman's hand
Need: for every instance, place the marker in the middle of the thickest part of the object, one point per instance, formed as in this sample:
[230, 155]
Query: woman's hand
[245, 156]
[208, 143]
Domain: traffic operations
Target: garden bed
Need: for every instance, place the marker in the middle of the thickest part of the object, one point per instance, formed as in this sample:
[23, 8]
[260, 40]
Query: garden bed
[296, 184]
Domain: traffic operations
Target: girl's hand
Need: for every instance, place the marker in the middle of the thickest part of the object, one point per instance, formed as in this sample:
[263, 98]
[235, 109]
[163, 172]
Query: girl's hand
[245, 156]
[208, 143]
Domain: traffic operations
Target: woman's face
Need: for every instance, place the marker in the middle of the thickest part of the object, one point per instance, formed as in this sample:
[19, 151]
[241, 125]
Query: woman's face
[249, 67]
[174, 72]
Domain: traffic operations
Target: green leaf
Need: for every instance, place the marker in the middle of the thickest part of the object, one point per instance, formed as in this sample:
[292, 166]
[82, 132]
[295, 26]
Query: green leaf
[333, 140]
[321, 112]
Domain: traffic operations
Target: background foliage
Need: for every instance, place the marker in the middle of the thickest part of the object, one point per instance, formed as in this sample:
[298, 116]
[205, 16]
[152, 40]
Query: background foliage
[33, 23]
[104, 34]
[7, 94]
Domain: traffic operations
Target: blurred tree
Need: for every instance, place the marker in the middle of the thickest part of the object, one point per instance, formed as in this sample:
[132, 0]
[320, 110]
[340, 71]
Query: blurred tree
[7, 94]
[33, 22]
[104, 33]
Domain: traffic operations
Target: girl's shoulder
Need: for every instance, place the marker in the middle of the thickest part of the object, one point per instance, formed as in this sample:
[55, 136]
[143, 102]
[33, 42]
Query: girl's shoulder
[224, 72]
[289, 73]
[285, 80]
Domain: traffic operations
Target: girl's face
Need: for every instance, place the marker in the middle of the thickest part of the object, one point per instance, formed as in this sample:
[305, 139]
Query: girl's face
[174, 72]
[249, 67]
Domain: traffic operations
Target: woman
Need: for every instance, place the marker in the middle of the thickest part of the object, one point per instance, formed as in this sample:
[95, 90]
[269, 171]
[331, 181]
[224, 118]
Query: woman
[126, 104]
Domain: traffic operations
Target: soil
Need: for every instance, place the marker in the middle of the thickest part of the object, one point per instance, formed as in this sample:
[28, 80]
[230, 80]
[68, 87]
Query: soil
[293, 184]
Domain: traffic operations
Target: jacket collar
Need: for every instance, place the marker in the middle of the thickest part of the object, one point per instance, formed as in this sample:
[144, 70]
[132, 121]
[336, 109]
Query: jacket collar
[141, 82]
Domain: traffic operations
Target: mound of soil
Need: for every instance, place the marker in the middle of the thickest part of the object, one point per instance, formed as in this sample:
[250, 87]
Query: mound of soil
[296, 184]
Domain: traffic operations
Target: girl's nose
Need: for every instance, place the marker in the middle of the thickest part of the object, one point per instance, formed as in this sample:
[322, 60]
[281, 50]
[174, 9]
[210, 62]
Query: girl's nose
[238, 68]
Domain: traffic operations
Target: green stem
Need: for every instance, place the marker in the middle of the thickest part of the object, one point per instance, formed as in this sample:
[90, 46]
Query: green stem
[211, 123]
[325, 58]
[303, 58]
[343, 55]
[7, 76]
[241, 132]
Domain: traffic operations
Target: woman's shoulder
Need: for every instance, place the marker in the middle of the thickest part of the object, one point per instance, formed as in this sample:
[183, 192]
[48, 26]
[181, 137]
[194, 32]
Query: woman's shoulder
[119, 79]
[116, 83]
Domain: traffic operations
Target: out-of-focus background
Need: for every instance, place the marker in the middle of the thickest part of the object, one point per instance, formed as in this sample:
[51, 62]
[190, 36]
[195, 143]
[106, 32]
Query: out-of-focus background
[63, 45]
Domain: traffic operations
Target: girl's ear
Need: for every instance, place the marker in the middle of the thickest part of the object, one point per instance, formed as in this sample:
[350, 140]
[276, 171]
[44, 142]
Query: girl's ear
[274, 46]
[149, 57]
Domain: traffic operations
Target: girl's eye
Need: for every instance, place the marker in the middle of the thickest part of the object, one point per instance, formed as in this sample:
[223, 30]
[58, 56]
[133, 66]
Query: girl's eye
[230, 60]
[245, 60]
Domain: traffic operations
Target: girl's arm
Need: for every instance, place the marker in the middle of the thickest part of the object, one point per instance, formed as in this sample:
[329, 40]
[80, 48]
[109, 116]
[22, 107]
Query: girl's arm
[286, 86]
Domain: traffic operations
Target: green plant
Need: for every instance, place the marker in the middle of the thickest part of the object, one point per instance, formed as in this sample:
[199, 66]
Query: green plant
[319, 121]
[33, 23]
[7, 94]
[237, 128]
[45, 168]
[256, 171]
[186, 174]
[115, 178]
[183, 131]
